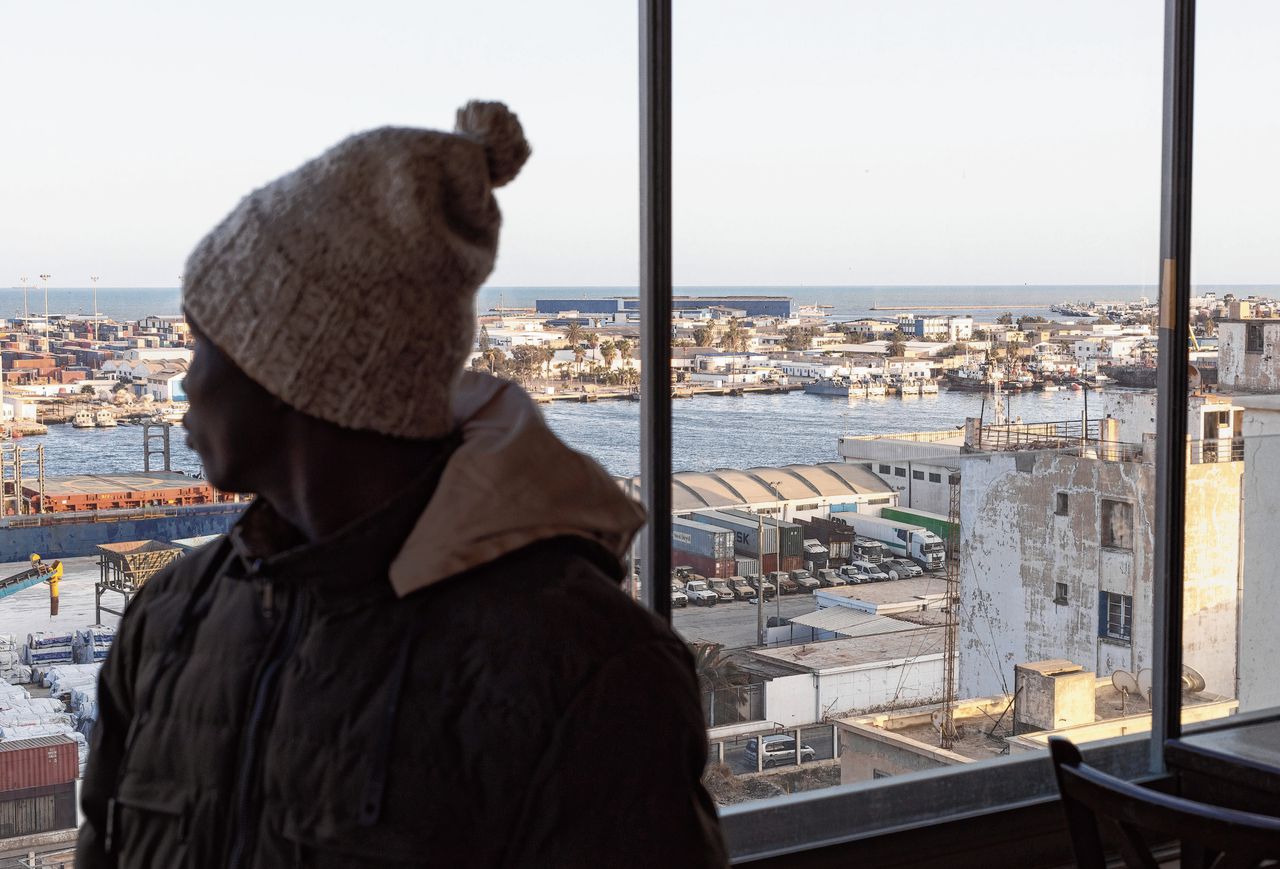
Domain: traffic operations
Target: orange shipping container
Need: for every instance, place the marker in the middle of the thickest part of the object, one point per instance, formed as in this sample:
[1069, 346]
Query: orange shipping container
[44, 760]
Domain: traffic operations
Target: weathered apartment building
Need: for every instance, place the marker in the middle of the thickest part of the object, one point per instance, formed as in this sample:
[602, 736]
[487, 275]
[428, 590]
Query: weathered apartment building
[1057, 549]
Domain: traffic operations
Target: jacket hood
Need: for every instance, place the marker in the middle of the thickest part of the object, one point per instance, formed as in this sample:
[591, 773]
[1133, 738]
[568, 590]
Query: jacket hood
[510, 483]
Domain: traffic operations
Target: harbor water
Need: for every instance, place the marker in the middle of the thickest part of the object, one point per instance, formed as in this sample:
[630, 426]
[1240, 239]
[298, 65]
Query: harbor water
[709, 431]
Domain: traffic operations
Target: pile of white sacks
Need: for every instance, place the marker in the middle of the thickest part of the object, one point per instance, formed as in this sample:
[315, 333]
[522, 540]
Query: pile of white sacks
[90, 646]
[25, 717]
[49, 648]
[12, 668]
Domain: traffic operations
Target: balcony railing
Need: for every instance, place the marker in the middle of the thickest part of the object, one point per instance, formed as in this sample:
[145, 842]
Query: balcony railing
[1213, 450]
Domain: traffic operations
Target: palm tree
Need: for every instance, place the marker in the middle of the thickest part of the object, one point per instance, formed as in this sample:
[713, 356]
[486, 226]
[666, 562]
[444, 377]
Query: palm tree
[703, 335]
[573, 334]
[593, 341]
[735, 337]
[608, 351]
[624, 350]
[578, 355]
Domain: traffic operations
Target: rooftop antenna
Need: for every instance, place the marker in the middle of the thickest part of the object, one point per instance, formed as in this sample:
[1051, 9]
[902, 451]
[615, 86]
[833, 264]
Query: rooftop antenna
[1126, 684]
[45, 280]
[94, 278]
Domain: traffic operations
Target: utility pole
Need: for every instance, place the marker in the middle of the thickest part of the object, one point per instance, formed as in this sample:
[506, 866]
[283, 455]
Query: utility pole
[94, 278]
[26, 315]
[760, 635]
[951, 643]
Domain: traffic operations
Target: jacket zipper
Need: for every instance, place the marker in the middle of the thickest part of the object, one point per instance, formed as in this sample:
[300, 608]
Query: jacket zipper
[263, 694]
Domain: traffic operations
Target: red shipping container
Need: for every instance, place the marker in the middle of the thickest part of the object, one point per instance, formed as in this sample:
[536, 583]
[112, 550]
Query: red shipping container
[708, 567]
[792, 562]
[44, 760]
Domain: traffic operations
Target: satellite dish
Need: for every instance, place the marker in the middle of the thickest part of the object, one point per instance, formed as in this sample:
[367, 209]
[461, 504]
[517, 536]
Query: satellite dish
[1192, 681]
[1124, 682]
[1144, 682]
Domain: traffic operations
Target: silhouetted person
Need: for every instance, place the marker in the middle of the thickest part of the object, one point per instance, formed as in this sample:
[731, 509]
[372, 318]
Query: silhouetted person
[411, 649]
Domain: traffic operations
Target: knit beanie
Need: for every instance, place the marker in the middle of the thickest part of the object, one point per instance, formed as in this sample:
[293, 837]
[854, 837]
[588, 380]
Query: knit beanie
[346, 288]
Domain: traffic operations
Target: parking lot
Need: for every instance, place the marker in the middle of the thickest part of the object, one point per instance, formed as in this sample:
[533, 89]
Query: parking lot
[733, 624]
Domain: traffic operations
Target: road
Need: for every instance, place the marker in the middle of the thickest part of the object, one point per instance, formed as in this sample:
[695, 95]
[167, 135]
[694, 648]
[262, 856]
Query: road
[817, 737]
[733, 625]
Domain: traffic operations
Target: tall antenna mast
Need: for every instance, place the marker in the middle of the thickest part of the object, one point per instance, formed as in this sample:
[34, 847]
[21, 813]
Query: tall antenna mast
[45, 280]
[94, 278]
[25, 314]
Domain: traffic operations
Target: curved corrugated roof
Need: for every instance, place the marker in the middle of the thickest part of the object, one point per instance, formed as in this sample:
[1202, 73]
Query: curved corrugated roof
[727, 487]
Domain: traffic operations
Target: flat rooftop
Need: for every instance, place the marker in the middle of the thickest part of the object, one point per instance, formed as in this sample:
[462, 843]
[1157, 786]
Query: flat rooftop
[892, 591]
[105, 484]
[911, 642]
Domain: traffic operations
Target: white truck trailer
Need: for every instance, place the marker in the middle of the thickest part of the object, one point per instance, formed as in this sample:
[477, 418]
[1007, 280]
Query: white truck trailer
[908, 541]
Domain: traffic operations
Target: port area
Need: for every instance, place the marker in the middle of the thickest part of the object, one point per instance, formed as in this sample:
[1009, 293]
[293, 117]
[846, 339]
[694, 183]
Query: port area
[27, 611]
[591, 393]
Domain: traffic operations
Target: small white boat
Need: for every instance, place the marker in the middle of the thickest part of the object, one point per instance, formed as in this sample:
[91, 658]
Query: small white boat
[104, 418]
[83, 418]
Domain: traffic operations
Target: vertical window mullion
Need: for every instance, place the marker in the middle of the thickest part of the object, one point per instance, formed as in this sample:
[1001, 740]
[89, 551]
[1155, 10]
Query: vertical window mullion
[655, 301]
[1171, 410]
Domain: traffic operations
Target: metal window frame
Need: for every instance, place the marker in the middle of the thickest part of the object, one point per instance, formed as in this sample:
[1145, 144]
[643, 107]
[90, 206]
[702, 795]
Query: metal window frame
[824, 819]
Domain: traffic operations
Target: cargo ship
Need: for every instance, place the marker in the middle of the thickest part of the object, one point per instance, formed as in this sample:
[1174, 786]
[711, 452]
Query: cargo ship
[70, 516]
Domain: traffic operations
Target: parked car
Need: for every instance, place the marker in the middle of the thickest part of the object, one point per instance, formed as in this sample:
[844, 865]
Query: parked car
[805, 580]
[873, 571]
[742, 589]
[854, 575]
[770, 590]
[700, 594]
[721, 588]
[784, 583]
[678, 597]
[830, 577]
[779, 750]
[901, 568]
[682, 573]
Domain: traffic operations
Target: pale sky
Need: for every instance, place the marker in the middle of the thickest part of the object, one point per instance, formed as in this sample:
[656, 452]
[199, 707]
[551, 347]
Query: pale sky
[840, 142]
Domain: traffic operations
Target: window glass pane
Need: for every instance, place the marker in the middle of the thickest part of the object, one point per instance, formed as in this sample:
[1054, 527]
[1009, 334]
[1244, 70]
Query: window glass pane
[871, 459]
[1230, 588]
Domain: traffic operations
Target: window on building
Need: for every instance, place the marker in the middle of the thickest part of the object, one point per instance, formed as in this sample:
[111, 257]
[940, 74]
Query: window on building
[1117, 524]
[1059, 592]
[885, 469]
[935, 478]
[1253, 337]
[917, 475]
[1060, 504]
[899, 472]
[1115, 615]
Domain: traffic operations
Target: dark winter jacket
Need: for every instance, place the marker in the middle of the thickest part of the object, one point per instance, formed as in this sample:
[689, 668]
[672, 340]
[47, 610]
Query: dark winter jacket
[273, 703]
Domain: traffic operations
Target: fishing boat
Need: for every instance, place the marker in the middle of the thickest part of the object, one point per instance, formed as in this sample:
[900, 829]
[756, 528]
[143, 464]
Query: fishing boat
[104, 418]
[83, 419]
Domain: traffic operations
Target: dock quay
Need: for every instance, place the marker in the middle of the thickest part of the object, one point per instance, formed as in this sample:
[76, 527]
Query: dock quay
[679, 391]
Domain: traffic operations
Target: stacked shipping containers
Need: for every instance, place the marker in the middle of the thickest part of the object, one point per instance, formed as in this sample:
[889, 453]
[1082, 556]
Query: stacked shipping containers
[708, 549]
[783, 545]
[37, 785]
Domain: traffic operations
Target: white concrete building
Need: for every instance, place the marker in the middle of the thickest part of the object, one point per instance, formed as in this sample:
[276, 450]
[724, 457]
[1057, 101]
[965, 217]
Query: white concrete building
[1249, 355]
[1057, 549]
[915, 465]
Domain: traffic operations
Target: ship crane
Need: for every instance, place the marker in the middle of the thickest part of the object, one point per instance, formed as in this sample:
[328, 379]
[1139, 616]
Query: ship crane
[40, 571]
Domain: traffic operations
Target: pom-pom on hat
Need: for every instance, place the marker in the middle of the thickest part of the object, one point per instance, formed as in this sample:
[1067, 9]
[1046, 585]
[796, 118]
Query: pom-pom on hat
[346, 288]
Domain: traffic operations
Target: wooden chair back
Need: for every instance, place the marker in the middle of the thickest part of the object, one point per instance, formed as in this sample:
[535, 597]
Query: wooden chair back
[1211, 837]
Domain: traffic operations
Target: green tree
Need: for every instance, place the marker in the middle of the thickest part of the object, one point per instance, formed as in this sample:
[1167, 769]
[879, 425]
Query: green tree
[88, 390]
[578, 355]
[798, 338]
[703, 336]
[573, 334]
[897, 344]
[1005, 319]
[495, 360]
[608, 352]
[624, 351]
[593, 342]
[483, 341]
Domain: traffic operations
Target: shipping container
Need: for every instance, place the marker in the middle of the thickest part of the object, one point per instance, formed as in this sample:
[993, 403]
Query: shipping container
[44, 760]
[746, 531]
[935, 522]
[791, 534]
[701, 564]
[747, 566]
[31, 811]
[711, 541]
[836, 536]
[792, 562]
